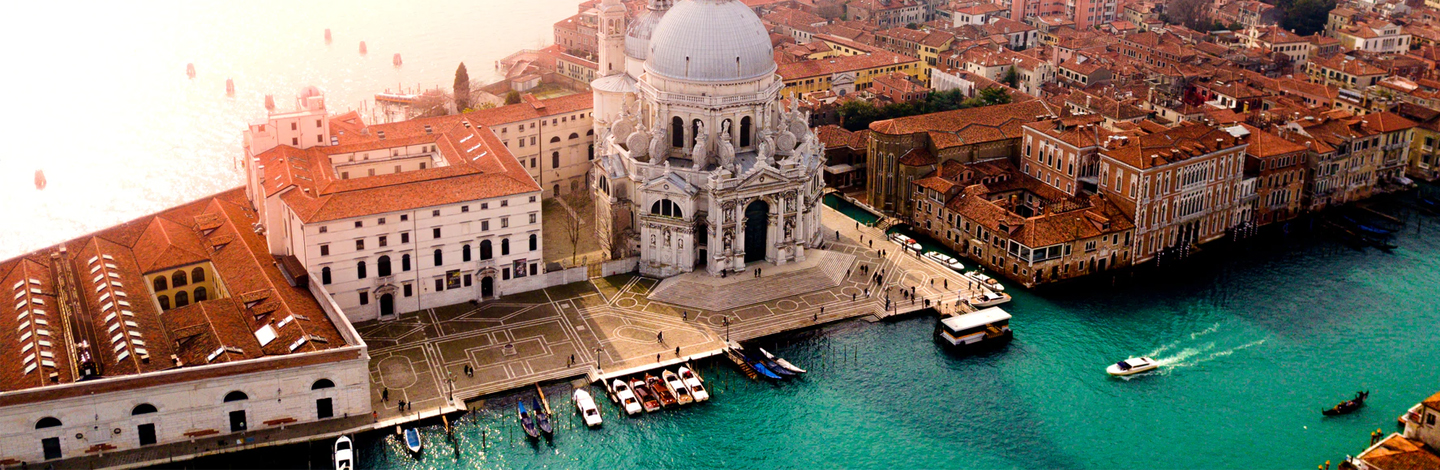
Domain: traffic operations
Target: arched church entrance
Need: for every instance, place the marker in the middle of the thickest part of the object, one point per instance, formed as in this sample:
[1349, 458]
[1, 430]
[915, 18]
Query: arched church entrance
[487, 287]
[757, 227]
[387, 305]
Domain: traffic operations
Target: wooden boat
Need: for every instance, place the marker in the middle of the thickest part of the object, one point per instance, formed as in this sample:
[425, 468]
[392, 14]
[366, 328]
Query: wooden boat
[413, 442]
[772, 365]
[985, 280]
[946, 260]
[662, 391]
[647, 396]
[1348, 406]
[697, 389]
[527, 422]
[782, 362]
[586, 407]
[542, 419]
[626, 398]
[344, 454]
[988, 298]
[677, 387]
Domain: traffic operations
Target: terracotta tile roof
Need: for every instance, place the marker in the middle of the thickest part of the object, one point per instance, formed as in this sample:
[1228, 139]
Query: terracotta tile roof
[834, 65]
[919, 156]
[1189, 139]
[1264, 144]
[834, 136]
[1350, 66]
[1386, 122]
[1399, 453]
[120, 296]
[968, 126]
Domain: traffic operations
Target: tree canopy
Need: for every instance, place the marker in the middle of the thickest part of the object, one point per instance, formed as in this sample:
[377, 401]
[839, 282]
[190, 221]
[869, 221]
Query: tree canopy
[1306, 17]
[512, 97]
[857, 115]
[462, 88]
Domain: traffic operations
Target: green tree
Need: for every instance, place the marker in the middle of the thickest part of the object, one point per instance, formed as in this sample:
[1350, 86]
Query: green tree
[462, 88]
[512, 97]
[1011, 77]
[1306, 17]
[993, 95]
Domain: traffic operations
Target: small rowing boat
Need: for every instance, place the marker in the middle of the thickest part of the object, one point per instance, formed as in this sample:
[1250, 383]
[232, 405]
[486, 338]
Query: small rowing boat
[782, 362]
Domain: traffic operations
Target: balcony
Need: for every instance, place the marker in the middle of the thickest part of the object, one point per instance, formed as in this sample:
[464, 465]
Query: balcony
[384, 280]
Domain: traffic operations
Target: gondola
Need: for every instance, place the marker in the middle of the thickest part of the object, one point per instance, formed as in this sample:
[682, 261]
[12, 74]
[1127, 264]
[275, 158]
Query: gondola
[541, 417]
[770, 365]
[1348, 406]
[782, 362]
[661, 391]
[527, 422]
[646, 396]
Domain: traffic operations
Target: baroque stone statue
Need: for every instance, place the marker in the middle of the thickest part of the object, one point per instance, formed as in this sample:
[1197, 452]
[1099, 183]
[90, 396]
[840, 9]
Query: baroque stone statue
[658, 146]
[700, 154]
[765, 151]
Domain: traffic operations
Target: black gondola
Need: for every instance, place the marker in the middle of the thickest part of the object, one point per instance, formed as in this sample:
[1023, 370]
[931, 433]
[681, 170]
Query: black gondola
[541, 417]
[1348, 406]
[527, 422]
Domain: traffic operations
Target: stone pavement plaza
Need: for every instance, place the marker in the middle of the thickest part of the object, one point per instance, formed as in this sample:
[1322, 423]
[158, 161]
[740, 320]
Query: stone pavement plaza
[611, 324]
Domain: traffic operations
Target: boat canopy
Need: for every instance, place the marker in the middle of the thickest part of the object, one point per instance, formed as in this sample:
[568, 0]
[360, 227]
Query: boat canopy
[978, 318]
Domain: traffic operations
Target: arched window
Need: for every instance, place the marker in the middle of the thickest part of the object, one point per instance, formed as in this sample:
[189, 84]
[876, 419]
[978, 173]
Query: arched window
[677, 132]
[197, 274]
[666, 208]
[236, 396]
[534, 242]
[574, 136]
[360, 270]
[555, 160]
[555, 140]
[745, 131]
[405, 262]
[143, 409]
[382, 266]
[322, 383]
[439, 257]
[590, 132]
[465, 252]
[201, 295]
[325, 275]
[485, 251]
[182, 299]
[178, 279]
[160, 284]
[164, 302]
[47, 422]
[505, 247]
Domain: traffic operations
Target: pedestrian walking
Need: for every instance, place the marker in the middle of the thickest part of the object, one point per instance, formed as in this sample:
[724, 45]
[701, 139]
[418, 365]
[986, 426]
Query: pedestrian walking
[947, 283]
[872, 243]
[684, 316]
[385, 395]
[660, 337]
[409, 406]
[657, 357]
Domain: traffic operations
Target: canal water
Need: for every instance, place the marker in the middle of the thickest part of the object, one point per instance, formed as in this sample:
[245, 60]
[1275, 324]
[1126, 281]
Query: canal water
[1254, 339]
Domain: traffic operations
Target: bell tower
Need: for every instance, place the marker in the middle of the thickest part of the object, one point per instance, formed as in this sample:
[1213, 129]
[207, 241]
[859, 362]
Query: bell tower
[612, 38]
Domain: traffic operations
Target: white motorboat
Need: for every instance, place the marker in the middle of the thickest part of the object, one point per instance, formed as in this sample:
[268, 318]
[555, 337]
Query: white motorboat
[981, 328]
[905, 241]
[984, 280]
[782, 362]
[677, 387]
[626, 397]
[586, 405]
[1132, 366]
[344, 454]
[693, 382]
[989, 298]
[946, 260]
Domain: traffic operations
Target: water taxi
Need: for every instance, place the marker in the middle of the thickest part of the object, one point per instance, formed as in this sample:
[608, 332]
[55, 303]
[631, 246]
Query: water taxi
[989, 298]
[677, 387]
[344, 454]
[1132, 366]
[905, 241]
[693, 381]
[984, 280]
[946, 260]
[989, 327]
[586, 406]
[627, 399]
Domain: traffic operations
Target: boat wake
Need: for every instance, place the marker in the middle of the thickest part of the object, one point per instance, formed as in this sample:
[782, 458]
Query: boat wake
[1194, 356]
[1193, 336]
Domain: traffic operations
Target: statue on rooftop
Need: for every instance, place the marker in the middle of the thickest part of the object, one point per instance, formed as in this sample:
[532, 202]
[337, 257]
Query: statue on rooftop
[700, 153]
[726, 148]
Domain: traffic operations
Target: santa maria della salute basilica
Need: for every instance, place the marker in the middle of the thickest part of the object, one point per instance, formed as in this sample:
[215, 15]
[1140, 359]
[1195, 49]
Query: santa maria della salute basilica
[699, 166]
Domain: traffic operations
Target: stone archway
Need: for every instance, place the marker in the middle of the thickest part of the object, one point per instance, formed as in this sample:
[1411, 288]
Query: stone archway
[387, 304]
[757, 230]
[487, 287]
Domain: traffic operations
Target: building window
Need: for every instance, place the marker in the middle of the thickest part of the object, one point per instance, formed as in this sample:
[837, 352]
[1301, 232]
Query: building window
[533, 268]
[360, 270]
[484, 225]
[404, 237]
[505, 274]
[439, 257]
[485, 250]
[177, 279]
[364, 298]
[159, 284]
[464, 208]
[359, 223]
[182, 299]
[504, 222]
[197, 275]
[465, 252]
[467, 280]
[504, 247]
[439, 285]
[532, 216]
[201, 295]
[142, 409]
[360, 244]
[435, 213]
[555, 160]
[405, 262]
[164, 302]
[382, 219]
[408, 290]
[382, 266]
[435, 232]
[323, 229]
[325, 275]
[405, 217]
[534, 242]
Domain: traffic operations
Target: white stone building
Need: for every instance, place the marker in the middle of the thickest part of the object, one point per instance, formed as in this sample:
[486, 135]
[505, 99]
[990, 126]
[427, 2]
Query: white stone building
[398, 217]
[699, 164]
[169, 328]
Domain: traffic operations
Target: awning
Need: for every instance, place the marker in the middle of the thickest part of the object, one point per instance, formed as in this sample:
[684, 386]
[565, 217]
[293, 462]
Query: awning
[843, 168]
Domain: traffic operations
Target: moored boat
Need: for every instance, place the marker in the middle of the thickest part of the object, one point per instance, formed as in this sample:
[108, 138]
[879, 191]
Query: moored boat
[782, 362]
[344, 453]
[585, 405]
[989, 298]
[542, 419]
[662, 391]
[677, 387]
[646, 396]
[989, 327]
[946, 260]
[697, 389]
[527, 422]
[985, 280]
[413, 442]
[627, 399]
[1348, 406]
[904, 241]
[1132, 366]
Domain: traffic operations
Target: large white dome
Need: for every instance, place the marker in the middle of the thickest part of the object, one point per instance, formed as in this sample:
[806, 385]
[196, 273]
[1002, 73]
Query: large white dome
[710, 41]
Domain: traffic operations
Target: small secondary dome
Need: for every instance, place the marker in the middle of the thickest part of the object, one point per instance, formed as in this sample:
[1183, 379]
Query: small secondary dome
[637, 37]
[711, 40]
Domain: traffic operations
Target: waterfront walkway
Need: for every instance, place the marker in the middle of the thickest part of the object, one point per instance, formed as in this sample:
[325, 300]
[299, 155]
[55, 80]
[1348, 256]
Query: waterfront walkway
[621, 324]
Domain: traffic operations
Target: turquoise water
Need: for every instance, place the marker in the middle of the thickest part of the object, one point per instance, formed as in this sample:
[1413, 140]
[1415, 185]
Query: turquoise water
[1255, 341]
[850, 209]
